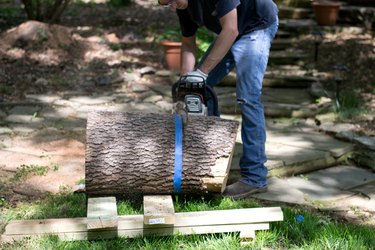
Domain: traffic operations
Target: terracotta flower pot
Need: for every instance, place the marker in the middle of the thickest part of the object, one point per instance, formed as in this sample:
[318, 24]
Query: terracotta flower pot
[172, 54]
[326, 12]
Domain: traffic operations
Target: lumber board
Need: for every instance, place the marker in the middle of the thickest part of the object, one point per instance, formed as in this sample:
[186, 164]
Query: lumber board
[247, 237]
[132, 233]
[132, 225]
[46, 226]
[158, 209]
[232, 216]
[101, 213]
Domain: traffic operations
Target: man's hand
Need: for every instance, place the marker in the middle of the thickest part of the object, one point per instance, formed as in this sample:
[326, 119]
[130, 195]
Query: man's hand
[195, 76]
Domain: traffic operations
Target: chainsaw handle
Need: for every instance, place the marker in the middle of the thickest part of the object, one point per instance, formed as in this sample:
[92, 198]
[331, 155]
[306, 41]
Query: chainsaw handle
[212, 95]
[174, 90]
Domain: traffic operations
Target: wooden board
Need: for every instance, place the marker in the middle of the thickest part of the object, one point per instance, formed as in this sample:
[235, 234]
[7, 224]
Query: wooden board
[247, 237]
[137, 232]
[132, 225]
[101, 213]
[158, 210]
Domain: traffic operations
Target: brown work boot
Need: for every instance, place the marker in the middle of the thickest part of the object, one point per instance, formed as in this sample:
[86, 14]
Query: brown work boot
[239, 190]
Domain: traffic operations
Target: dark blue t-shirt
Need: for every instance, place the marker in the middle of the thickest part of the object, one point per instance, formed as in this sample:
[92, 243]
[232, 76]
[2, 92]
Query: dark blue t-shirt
[252, 15]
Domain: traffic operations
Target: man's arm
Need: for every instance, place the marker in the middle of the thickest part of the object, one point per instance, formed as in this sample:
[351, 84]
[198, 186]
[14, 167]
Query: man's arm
[223, 42]
[188, 54]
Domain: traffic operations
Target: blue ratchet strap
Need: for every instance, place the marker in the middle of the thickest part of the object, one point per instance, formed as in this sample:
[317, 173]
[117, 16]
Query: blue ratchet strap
[177, 178]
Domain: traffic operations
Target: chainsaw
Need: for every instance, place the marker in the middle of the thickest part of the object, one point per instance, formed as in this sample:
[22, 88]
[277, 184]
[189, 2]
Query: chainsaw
[191, 98]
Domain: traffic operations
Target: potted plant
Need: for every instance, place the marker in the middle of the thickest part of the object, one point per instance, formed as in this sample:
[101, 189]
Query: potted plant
[170, 40]
[326, 12]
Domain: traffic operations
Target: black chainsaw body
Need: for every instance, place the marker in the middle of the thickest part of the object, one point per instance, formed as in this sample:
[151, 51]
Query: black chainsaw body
[194, 95]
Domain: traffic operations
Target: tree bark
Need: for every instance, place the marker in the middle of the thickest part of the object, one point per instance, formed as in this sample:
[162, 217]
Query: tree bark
[28, 5]
[58, 11]
[134, 153]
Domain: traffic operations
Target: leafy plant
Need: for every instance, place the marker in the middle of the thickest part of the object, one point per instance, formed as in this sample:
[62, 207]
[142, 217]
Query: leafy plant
[42, 35]
[349, 105]
[24, 171]
[170, 34]
[55, 167]
[2, 185]
[11, 16]
[204, 38]
[59, 81]
[115, 46]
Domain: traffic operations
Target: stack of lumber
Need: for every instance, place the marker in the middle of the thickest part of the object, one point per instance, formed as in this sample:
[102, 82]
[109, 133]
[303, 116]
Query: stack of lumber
[156, 221]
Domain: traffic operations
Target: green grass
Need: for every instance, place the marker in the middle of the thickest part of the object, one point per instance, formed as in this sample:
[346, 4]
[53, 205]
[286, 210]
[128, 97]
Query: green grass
[58, 80]
[25, 171]
[350, 105]
[62, 205]
[314, 231]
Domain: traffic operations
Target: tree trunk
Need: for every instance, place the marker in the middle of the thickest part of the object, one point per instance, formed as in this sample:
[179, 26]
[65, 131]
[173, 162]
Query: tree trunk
[45, 11]
[28, 5]
[134, 153]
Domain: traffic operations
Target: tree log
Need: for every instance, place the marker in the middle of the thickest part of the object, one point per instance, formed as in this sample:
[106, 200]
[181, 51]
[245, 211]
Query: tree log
[134, 153]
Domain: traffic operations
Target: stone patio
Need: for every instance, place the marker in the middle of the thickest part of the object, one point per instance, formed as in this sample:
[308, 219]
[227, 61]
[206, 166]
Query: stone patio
[307, 162]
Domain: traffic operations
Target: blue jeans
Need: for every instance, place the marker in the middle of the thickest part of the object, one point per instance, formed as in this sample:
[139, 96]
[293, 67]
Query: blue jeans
[249, 55]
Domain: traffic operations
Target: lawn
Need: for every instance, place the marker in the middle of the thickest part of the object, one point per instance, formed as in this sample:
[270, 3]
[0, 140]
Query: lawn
[302, 228]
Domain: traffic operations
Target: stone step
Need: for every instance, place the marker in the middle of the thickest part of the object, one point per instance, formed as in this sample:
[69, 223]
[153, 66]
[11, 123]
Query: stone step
[278, 102]
[290, 151]
[287, 96]
[283, 34]
[287, 81]
[368, 3]
[286, 57]
[297, 27]
[277, 78]
[294, 13]
[292, 28]
[338, 188]
[356, 15]
[272, 109]
[282, 43]
[288, 70]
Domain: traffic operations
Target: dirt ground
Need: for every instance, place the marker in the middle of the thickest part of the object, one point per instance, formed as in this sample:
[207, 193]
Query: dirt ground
[86, 47]
[95, 43]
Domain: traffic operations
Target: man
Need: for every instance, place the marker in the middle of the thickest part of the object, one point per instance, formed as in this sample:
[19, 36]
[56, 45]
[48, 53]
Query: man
[245, 30]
